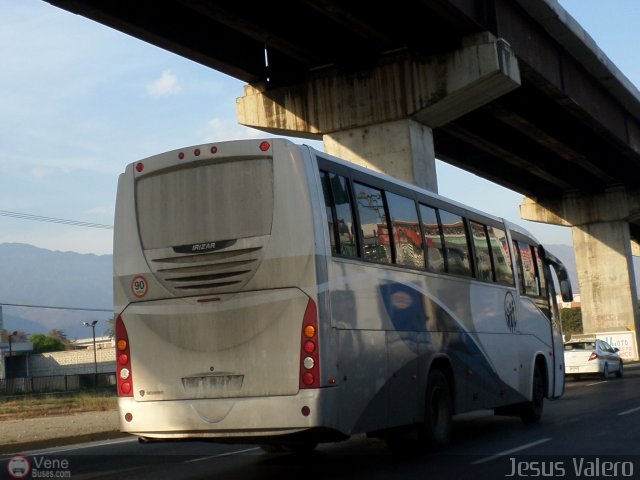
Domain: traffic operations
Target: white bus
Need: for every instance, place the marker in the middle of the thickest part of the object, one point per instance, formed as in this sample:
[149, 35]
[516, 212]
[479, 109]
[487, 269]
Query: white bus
[268, 293]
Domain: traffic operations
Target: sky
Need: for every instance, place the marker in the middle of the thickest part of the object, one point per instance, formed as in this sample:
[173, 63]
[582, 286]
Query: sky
[79, 101]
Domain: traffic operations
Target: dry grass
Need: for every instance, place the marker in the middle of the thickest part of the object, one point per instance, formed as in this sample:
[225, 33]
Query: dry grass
[12, 408]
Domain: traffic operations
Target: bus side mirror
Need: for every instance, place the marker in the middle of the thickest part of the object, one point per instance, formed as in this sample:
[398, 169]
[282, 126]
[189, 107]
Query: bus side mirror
[565, 290]
[562, 274]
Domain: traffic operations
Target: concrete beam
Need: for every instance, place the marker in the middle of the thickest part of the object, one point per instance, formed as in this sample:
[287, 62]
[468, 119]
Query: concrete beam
[433, 91]
[615, 203]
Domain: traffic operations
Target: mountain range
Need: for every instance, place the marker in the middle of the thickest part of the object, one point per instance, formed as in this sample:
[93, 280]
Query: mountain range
[36, 278]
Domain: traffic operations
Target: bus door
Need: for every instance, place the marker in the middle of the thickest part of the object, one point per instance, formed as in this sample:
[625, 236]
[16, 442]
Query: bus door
[538, 319]
[567, 296]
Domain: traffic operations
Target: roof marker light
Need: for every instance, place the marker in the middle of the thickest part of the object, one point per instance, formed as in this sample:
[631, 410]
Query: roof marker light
[181, 155]
[264, 146]
[214, 149]
[139, 167]
[196, 152]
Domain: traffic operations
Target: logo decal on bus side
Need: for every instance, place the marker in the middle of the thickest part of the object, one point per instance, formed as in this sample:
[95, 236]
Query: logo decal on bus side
[510, 312]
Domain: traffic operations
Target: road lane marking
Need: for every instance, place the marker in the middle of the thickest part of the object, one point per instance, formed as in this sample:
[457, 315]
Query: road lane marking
[597, 383]
[627, 412]
[99, 443]
[227, 454]
[508, 452]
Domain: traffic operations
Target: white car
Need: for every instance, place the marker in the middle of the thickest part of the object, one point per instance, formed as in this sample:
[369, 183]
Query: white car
[591, 357]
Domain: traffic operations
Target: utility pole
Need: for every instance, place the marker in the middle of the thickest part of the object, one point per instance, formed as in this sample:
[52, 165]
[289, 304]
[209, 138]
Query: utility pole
[95, 356]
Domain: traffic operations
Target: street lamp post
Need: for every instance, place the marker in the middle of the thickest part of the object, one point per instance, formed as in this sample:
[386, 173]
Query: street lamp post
[11, 335]
[95, 356]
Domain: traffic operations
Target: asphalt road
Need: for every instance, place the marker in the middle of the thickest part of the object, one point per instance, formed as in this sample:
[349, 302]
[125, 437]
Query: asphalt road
[592, 432]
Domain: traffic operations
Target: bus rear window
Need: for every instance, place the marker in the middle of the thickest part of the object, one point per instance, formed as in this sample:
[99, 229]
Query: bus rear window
[201, 204]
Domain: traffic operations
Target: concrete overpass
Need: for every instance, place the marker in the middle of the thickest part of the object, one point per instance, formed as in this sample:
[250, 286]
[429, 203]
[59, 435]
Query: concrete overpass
[514, 91]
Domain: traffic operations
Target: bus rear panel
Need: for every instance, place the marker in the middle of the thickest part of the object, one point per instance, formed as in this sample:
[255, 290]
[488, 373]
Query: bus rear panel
[216, 293]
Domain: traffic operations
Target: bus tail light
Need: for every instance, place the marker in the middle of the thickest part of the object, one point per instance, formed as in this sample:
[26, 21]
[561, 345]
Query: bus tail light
[123, 361]
[309, 352]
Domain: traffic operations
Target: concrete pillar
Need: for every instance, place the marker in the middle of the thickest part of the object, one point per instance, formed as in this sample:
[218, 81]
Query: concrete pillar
[603, 250]
[382, 116]
[605, 274]
[403, 149]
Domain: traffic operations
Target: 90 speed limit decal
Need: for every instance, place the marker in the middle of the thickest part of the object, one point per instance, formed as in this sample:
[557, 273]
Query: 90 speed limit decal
[139, 286]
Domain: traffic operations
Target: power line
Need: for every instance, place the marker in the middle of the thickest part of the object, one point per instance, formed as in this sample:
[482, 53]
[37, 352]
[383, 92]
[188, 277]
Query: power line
[62, 221]
[110, 310]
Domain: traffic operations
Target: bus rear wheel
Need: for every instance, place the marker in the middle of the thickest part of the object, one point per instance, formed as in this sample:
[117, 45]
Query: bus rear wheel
[438, 415]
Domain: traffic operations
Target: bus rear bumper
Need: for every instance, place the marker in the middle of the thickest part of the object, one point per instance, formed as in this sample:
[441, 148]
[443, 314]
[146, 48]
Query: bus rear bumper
[230, 419]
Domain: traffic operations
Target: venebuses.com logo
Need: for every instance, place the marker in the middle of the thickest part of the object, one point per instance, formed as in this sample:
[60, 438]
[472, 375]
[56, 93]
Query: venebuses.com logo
[18, 467]
[39, 467]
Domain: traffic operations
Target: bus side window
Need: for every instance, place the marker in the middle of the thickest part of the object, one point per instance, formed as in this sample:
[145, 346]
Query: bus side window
[373, 223]
[545, 301]
[339, 214]
[432, 239]
[456, 244]
[483, 255]
[528, 277]
[541, 272]
[406, 231]
[329, 207]
[501, 256]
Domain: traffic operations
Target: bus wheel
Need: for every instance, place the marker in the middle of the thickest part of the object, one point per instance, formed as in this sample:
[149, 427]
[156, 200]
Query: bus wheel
[531, 412]
[438, 415]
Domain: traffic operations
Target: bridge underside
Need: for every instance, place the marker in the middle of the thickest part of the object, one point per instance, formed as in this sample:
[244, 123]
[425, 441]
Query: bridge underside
[565, 132]
[572, 126]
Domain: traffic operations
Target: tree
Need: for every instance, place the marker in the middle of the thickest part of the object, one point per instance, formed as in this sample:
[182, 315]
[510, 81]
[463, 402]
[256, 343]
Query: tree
[43, 343]
[571, 320]
[111, 328]
[60, 335]
[57, 333]
[20, 336]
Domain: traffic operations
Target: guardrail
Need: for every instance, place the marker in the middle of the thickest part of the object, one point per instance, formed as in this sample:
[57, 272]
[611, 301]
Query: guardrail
[56, 383]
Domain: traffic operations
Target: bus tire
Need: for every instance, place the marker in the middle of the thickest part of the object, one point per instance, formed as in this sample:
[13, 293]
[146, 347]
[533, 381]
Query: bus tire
[531, 412]
[438, 415]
